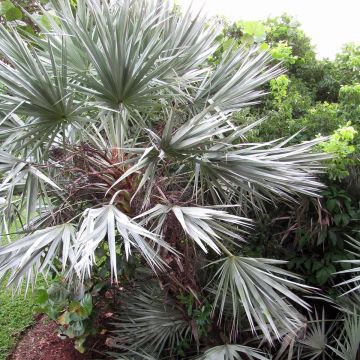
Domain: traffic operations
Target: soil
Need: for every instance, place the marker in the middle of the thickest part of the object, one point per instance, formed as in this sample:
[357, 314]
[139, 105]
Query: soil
[41, 342]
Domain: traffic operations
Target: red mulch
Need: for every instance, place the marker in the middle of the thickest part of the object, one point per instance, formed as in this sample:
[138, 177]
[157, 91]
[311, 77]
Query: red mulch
[41, 342]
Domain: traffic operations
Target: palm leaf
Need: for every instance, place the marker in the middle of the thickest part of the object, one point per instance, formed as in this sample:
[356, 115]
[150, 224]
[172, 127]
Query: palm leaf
[23, 177]
[105, 222]
[315, 344]
[149, 322]
[263, 171]
[355, 280]
[38, 89]
[233, 352]
[203, 225]
[348, 343]
[236, 80]
[133, 56]
[35, 253]
[262, 290]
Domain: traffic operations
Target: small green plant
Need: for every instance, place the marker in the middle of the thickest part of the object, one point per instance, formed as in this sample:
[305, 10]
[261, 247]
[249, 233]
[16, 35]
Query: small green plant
[279, 87]
[199, 314]
[15, 315]
[340, 144]
[13, 17]
[282, 51]
[9, 11]
[73, 313]
[318, 248]
[350, 94]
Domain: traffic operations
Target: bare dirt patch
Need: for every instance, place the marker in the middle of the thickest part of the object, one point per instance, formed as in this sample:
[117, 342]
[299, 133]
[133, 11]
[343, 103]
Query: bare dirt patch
[41, 342]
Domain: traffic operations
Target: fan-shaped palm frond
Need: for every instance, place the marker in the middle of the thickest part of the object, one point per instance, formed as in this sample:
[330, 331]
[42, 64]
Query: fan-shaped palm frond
[37, 88]
[203, 225]
[51, 24]
[233, 352]
[236, 80]
[150, 322]
[348, 343]
[35, 253]
[24, 178]
[355, 280]
[103, 222]
[316, 341]
[262, 290]
[134, 56]
[202, 129]
[347, 304]
[262, 169]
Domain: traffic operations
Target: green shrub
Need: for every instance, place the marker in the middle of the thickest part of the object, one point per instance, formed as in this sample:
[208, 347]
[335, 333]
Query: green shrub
[73, 312]
[348, 64]
[340, 145]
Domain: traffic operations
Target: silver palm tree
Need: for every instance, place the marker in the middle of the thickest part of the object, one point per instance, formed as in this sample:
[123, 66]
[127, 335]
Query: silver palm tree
[115, 129]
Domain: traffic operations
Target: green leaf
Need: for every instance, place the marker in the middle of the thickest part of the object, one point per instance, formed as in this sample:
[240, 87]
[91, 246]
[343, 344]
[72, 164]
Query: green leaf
[323, 275]
[337, 219]
[75, 307]
[64, 318]
[45, 21]
[345, 265]
[333, 237]
[321, 237]
[76, 329]
[264, 46]
[27, 29]
[345, 219]
[10, 11]
[330, 204]
[41, 297]
[316, 266]
[79, 344]
[308, 264]
[303, 240]
[5, 6]
[86, 303]
[254, 28]
[13, 14]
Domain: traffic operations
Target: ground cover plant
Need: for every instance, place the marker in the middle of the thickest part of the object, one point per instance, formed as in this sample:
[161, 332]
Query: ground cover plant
[131, 166]
[15, 314]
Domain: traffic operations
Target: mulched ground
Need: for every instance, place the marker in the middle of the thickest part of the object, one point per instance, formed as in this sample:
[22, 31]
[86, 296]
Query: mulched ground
[41, 342]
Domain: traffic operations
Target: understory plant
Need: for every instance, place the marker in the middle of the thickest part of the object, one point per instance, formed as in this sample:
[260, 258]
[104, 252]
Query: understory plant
[118, 147]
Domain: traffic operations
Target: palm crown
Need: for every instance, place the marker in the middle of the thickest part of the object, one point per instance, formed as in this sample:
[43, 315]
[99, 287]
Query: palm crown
[117, 134]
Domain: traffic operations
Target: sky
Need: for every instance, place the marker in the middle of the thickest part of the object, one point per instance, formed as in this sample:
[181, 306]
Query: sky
[329, 23]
